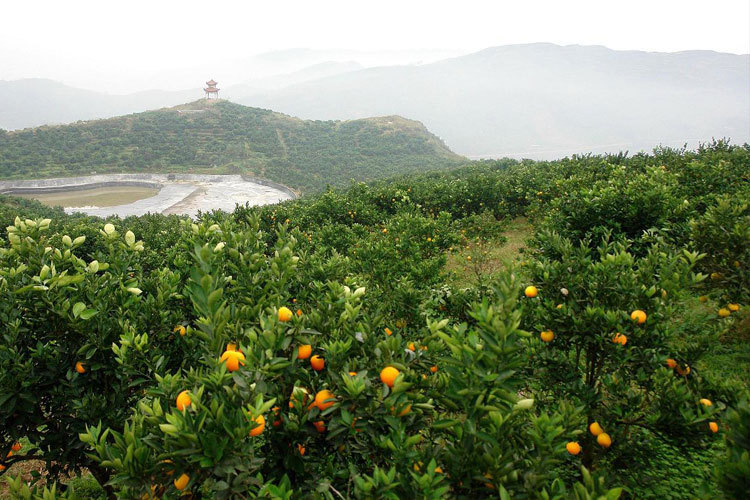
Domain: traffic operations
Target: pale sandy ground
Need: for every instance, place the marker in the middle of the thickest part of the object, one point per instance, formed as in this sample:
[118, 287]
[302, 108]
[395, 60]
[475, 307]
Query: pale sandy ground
[179, 194]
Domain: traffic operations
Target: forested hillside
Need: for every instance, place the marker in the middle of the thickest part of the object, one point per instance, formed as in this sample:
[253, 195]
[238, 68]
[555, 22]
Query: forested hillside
[223, 137]
[383, 340]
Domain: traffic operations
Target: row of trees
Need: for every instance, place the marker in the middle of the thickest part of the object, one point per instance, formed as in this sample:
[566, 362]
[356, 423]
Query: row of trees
[317, 348]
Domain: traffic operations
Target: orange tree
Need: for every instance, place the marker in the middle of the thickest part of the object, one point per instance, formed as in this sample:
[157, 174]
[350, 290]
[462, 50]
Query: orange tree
[60, 315]
[723, 234]
[282, 395]
[602, 319]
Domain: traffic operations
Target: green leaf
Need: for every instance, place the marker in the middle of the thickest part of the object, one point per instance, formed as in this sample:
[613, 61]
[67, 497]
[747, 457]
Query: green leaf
[78, 308]
[88, 314]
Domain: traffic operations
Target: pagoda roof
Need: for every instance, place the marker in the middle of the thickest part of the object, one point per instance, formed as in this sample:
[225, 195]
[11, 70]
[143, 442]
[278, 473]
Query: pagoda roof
[211, 89]
[211, 83]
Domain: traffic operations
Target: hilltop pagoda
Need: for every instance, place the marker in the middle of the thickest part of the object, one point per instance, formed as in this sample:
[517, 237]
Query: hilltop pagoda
[211, 91]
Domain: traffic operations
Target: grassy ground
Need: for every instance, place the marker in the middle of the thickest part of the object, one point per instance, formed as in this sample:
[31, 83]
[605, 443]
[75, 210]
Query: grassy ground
[84, 487]
[478, 260]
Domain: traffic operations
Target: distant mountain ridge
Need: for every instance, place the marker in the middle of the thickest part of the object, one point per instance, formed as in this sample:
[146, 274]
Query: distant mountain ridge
[223, 137]
[538, 101]
[525, 100]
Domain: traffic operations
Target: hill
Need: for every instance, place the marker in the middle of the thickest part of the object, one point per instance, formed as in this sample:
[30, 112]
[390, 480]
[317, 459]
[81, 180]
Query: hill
[37, 101]
[544, 100]
[223, 137]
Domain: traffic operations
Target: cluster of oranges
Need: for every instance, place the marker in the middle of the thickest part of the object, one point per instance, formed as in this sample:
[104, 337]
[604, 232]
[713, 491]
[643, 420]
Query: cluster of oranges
[602, 438]
[713, 426]
[674, 365]
[726, 311]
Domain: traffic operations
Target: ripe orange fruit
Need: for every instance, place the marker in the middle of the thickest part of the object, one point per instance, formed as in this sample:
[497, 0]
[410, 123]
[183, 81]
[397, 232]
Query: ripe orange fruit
[684, 372]
[438, 470]
[404, 411]
[703, 299]
[233, 360]
[183, 400]
[301, 449]
[596, 429]
[531, 291]
[317, 363]
[411, 347]
[299, 312]
[434, 369]
[261, 421]
[620, 339]
[671, 363]
[638, 316]
[388, 331]
[388, 375]
[80, 368]
[604, 440]
[16, 447]
[734, 307]
[231, 346]
[323, 400]
[714, 427]
[723, 313]
[547, 335]
[180, 329]
[285, 314]
[320, 426]
[352, 374]
[705, 402]
[304, 351]
[181, 482]
[573, 448]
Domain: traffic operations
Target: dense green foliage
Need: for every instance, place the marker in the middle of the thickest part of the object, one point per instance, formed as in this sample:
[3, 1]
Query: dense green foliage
[222, 137]
[482, 405]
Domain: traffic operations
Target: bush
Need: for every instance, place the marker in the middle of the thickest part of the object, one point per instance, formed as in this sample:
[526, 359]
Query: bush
[733, 470]
[597, 356]
[723, 234]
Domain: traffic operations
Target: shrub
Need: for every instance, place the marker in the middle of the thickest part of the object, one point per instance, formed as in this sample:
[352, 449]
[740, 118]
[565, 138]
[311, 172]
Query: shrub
[723, 234]
[733, 470]
[598, 356]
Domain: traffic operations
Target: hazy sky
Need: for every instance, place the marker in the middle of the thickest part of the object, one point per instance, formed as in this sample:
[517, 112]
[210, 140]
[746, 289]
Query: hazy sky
[75, 41]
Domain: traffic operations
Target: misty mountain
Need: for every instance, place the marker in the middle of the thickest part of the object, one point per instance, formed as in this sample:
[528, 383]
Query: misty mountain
[544, 100]
[35, 101]
[313, 72]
